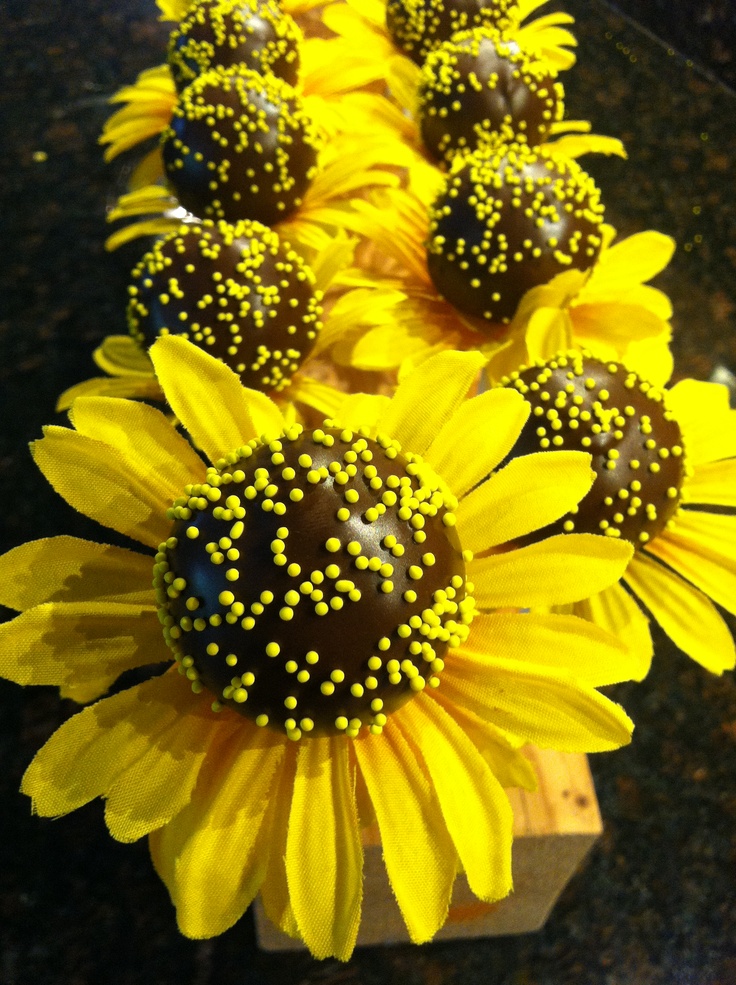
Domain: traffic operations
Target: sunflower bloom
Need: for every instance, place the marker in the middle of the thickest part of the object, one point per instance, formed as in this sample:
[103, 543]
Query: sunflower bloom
[665, 463]
[366, 662]
[327, 70]
[609, 309]
[246, 297]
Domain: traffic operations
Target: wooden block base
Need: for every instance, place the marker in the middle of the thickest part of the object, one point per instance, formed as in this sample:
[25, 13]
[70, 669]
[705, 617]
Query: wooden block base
[554, 828]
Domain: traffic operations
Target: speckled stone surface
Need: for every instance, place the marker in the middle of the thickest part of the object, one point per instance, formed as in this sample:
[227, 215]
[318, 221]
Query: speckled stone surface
[656, 901]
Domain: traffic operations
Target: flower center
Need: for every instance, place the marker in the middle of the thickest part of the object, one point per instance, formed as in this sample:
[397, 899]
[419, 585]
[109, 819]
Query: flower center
[584, 404]
[236, 291]
[510, 218]
[240, 146]
[223, 33]
[479, 83]
[418, 26]
[314, 583]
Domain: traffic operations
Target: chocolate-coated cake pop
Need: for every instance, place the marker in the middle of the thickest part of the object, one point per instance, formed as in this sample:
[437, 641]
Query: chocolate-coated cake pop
[510, 218]
[314, 583]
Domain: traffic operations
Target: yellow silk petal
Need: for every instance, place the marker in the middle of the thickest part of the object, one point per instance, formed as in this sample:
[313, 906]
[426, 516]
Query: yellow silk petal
[633, 260]
[702, 548]
[428, 398]
[615, 611]
[545, 706]
[68, 569]
[475, 808]
[213, 866]
[527, 494]
[324, 855]
[708, 425]
[651, 358]
[382, 348]
[713, 483]
[361, 410]
[104, 484]
[323, 398]
[554, 571]
[418, 852]
[148, 227]
[144, 436]
[687, 616]
[209, 399]
[481, 433]
[548, 332]
[159, 784]
[80, 642]
[131, 387]
[119, 355]
[563, 643]
[275, 888]
[616, 322]
[92, 751]
[508, 764]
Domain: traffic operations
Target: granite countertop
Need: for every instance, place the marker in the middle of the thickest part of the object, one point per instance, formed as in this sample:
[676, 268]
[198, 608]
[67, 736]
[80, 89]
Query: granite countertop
[656, 901]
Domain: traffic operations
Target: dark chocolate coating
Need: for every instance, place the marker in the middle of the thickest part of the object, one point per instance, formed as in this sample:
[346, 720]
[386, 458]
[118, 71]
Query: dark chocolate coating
[305, 569]
[223, 33]
[510, 218]
[419, 26]
[240, 146]
[236, 291]
[584, 404]
[480, 83]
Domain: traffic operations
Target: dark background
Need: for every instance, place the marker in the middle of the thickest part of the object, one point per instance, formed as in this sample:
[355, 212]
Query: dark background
[656, 901]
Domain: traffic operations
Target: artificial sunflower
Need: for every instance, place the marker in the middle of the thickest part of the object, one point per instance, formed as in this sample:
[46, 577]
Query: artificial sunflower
[327, 69]
[665, 462]
[246, 297]
[313, 588]
[608, 308]
[414, 28]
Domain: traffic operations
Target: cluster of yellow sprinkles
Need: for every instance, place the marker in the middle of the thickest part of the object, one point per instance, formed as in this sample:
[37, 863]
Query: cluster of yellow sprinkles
[240, 146]
[314, 583]
[418, 26]
[256, 33]
[510, 218]
[237, 291]
[479, 83]
[585, 404]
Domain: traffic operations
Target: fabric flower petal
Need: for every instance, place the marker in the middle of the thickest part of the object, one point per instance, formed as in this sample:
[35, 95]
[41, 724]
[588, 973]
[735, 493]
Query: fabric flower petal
[80, 642]
[476, 810]
[488, 425]
[500, 749]
[324, 855]
[128, 387]
[615, 611]
[696, 406]
[144, 436]
[713, 484]
[527, 494]
[104, 484]
[190, 376]
[592, 655]
[361, 410]
[700, 547]
[68, 569]
[92, 751]
[214, 860]
[427, 397]
[549, 708]
[554, 571]
[275, 888]
[687, 616]
[418, 852]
